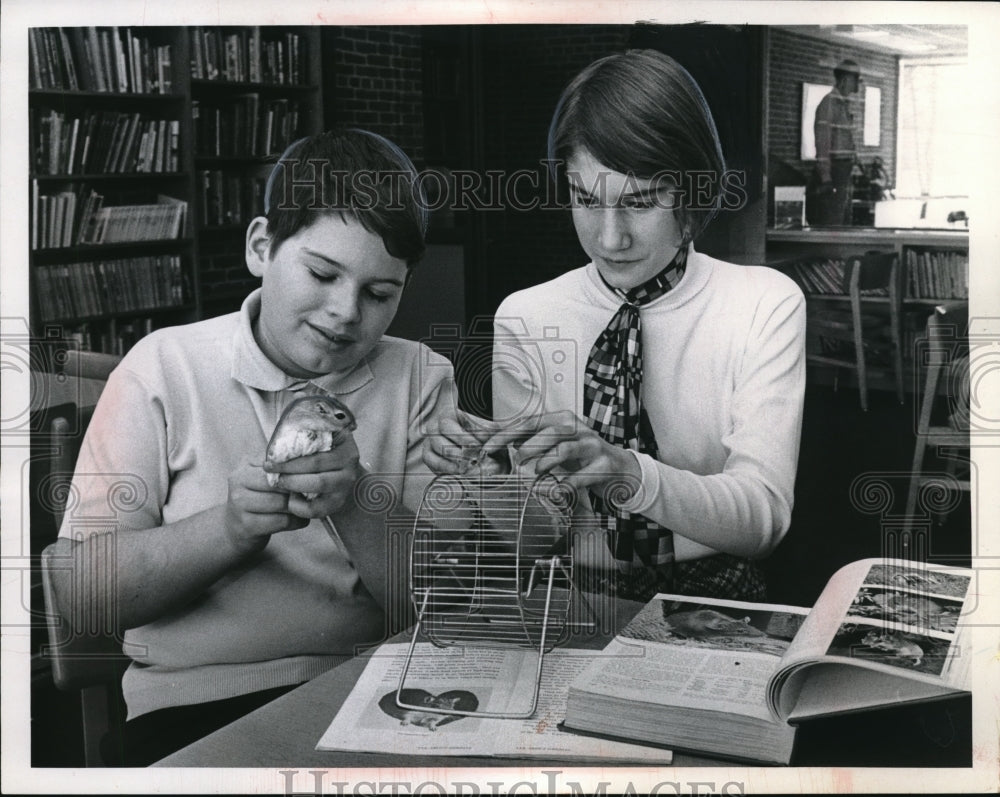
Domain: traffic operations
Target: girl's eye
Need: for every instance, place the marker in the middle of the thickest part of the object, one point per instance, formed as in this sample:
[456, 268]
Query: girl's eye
[380, 297]
[322, 276]
[584, 201]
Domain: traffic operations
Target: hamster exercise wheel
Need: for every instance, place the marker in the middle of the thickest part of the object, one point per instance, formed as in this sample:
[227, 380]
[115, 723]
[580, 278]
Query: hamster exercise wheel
[488, 568]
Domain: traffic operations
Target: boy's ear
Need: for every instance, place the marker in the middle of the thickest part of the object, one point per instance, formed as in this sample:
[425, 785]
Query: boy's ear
[258, 246]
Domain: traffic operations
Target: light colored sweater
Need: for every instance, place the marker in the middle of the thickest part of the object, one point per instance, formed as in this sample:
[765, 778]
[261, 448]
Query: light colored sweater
[182, 411]
[723, 385]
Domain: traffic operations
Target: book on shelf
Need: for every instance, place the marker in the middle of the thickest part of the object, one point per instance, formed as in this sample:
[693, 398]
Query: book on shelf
[230, 198]
[56, 218]
[821, 276]
[114, 337]
[732, 679]
[937, 274]
[103, 59]
[244, 126]
[163, 220]
[245, 56]
[477, 679]
[123, 285]
[102, 142]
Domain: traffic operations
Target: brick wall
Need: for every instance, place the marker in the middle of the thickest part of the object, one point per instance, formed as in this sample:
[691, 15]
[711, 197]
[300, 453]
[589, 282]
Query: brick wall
[373, 78]
[525, 70]
[795, 59]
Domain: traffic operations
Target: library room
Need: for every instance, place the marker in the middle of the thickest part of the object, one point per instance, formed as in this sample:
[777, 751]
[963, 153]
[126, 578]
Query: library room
[831, 219]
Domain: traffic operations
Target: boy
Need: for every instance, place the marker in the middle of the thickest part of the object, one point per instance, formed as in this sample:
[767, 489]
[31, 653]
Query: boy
[231, 590]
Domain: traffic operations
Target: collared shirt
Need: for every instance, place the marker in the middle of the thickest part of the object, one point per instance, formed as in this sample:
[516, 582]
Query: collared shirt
[186, 407]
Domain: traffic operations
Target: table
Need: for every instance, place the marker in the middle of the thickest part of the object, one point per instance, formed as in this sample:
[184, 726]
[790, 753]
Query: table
[284, 733]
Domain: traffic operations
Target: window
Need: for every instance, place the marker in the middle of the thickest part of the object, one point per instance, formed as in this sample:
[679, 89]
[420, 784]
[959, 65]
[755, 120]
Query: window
[934, 135]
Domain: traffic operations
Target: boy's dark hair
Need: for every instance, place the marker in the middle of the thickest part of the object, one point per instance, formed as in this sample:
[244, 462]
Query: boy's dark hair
[350, 171]
[641, 113]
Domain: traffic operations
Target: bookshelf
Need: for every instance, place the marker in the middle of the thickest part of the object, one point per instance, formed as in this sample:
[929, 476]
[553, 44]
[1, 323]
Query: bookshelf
[149, 151]
[111, 182]
[934, 268]
[253, 92]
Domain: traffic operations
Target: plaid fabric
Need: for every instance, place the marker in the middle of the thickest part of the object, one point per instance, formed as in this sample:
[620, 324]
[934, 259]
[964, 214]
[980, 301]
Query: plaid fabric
[720, 576]
[612, 405]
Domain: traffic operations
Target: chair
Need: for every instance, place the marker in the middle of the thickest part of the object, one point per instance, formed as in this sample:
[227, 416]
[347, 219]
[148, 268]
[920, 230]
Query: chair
[90, 364]
[84, 650]
[855, 335]
[85, 655]
[946, 355]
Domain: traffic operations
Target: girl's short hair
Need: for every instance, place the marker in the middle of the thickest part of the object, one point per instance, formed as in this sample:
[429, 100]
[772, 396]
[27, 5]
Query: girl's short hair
[641, 113]
[354, 172]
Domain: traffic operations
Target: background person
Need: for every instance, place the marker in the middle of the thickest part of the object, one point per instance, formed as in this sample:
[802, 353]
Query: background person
[833, 129]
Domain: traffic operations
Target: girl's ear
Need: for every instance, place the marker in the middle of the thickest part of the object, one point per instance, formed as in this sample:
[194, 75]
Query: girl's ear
[258, 247]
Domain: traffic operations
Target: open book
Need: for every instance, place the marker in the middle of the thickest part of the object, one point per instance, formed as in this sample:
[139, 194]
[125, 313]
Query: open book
[476, 679]
[730, 678]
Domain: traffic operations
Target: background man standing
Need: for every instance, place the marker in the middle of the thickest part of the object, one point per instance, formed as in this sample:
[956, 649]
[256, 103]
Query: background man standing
[835, 151]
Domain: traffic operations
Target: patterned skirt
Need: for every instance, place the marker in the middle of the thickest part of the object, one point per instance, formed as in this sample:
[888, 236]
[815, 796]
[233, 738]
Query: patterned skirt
[720, 576]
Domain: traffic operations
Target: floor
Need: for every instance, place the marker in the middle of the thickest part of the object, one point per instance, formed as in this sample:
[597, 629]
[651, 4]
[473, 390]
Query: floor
[833, 524]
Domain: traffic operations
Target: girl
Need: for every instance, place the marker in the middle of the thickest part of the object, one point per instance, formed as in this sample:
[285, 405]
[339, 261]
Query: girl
[680, 427]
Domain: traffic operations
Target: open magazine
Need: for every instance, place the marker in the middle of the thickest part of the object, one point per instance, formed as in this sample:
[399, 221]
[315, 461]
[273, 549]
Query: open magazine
[728, 677]
[471, 679]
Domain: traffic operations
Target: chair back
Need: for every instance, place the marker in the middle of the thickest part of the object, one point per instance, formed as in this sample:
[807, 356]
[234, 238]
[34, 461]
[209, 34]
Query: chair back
[84, 648]
[946, 356]
[90, 364]
[873, 272]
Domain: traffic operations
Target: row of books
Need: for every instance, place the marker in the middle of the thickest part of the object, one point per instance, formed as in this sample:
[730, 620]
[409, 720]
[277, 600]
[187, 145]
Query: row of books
[929, 275]
[101, 142]
[114, 336]
[820, 276]
[152, 222]
[55, 218]
[228, 198]
[244, 56]
[94, 288]
[98, 59]
[937, 275]
[244, 126]
[75, 216]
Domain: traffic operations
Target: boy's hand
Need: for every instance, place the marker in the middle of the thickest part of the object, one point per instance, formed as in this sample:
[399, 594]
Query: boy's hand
[319, 484]
[255, 510]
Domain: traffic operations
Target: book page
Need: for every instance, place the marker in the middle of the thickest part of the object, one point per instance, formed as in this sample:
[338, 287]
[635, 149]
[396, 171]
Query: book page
[896, 616]
[703, 654]
[472, 679]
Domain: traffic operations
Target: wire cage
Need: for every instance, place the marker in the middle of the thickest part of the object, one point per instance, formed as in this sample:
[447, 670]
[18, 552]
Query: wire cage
[489, 567]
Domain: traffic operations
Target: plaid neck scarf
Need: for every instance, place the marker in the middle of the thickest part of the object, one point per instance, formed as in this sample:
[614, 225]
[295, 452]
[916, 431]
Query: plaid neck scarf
[612, 405]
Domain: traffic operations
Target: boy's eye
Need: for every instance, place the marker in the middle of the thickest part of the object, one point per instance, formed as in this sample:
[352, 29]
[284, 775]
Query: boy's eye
[637, 203]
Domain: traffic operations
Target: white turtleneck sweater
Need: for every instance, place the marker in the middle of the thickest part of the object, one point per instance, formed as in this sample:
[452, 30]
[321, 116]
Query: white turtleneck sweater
[723, 385]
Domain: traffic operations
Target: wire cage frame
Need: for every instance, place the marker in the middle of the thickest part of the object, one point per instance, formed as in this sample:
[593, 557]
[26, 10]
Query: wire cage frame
[489, 567]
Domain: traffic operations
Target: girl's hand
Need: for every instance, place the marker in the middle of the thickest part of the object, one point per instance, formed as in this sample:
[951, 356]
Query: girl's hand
[563, 444]
[454, 443]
